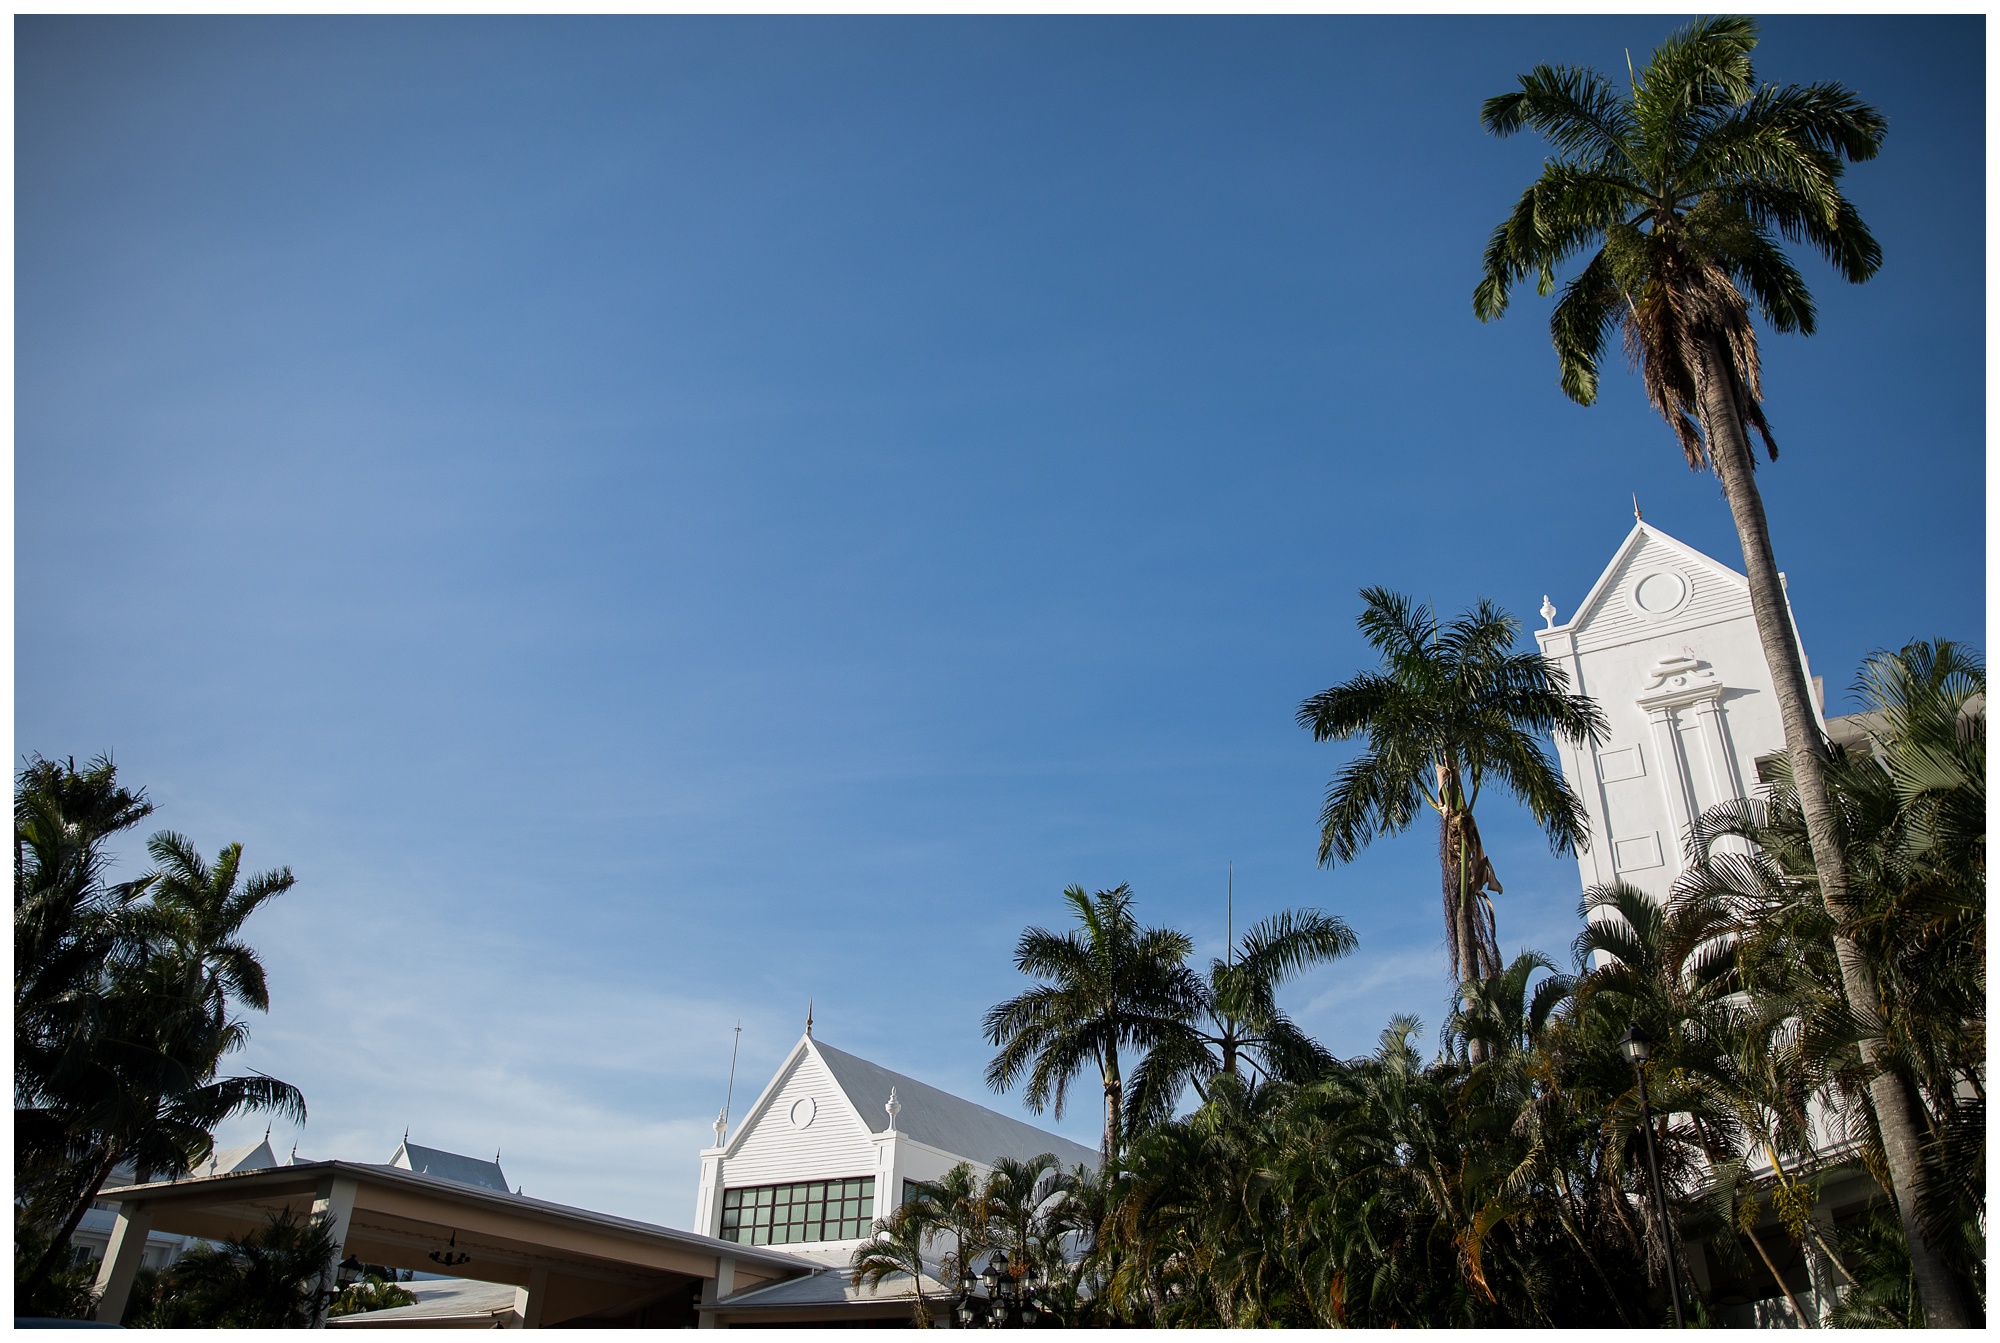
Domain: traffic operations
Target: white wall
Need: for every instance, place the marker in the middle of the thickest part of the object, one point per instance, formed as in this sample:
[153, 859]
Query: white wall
[1667, 646]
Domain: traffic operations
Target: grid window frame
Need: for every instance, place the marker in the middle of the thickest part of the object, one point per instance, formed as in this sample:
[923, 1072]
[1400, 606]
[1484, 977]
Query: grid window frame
[804, 1212]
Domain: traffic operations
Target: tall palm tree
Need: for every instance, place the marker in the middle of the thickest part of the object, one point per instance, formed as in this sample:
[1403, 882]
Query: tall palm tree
[1686, 189]
[1239, 1023]
[1913, 819]
[123, 1003]
[1108, 985]
[1451, 708]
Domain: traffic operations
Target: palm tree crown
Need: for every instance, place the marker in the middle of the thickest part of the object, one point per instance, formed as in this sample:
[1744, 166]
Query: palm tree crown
[1685, 188]
[1239, 1024]
[1452, 707]
[1108, 985]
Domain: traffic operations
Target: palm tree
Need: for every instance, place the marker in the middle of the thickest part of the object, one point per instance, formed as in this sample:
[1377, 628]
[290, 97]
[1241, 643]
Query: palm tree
[70, 925]
[1239, 1023]
[897, 1248]
[1108, 985]
[1686, 189]
[265, 1279]
[1451, 708]
[123, 1004]
[955, 1207]
[1913, 819]
[1020, 1198]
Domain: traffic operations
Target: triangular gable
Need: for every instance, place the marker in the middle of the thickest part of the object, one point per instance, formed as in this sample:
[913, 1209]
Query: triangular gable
[802, 1052]
[1643, 535]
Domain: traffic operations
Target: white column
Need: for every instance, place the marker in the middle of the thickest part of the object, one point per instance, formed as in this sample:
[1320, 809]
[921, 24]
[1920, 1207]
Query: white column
[715, 1288]
[1721, 759]
[888, 1173]
[1580, 765]
[122, 1254]
[529, 1300]
[333, 1202]
[1673, 779]
[708, 1195]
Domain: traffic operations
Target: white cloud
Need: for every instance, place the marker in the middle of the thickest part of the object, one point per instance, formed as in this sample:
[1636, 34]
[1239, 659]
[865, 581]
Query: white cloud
[593, 1093]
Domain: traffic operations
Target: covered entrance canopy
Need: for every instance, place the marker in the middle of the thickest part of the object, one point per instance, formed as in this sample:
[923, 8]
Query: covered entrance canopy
[569, 1265]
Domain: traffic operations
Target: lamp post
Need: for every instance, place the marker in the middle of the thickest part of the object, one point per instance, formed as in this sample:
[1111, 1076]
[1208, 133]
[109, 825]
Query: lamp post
[1007, 1304]
[345, 1275]
[1637, 1046]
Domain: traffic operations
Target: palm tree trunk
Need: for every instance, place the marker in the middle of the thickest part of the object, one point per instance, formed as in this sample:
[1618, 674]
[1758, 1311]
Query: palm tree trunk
[1805, 1320]
[58, 1250]
[1114, 1098]
[1461, 917]
[1729, 451]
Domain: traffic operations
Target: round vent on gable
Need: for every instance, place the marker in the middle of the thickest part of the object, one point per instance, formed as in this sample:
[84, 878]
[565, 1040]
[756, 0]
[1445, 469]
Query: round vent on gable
[803, 1111]
[1659, 594]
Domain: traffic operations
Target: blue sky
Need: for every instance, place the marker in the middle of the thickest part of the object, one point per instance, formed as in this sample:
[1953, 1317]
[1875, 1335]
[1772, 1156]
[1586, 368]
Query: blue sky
[656, 520]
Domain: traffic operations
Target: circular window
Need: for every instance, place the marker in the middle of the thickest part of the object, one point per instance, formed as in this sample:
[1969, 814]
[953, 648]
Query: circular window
[1660, 594]
[803, 1111]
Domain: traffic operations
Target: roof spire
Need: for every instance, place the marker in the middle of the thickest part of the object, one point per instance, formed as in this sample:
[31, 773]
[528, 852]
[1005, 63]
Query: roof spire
[809, 1018]
[1637, 516]
[894, 1107]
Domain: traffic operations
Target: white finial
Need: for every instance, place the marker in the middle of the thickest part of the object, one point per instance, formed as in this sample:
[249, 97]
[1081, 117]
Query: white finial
[721, 1126]
[1548, 612]
[894, 1107]
[1637, 516]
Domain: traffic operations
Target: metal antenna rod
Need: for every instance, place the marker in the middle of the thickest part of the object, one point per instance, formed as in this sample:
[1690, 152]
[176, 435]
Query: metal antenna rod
[730, 1095]
[1231, 952]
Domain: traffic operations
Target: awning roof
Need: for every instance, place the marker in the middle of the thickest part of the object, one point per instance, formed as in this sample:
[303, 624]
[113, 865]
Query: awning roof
[595, 1262]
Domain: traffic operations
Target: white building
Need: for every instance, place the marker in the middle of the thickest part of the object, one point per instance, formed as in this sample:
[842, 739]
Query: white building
[832, 1144]
[1667, 645]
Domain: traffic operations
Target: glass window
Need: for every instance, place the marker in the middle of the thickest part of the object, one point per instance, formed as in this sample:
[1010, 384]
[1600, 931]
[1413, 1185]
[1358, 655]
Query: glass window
[789, 1214]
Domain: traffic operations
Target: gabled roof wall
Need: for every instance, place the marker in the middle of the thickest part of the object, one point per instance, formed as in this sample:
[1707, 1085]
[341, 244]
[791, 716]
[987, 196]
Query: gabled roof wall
[450, 1166]
[941, 1120]
[935, 1118]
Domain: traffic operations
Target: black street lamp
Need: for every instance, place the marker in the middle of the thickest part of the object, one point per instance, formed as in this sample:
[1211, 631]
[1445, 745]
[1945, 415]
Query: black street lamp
[345, 1275]
[1637, 1046]
[1008, 1302]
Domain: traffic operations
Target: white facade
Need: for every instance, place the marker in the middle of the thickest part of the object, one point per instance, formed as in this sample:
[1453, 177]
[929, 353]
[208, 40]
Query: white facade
[829, 1115]
[1667, 645]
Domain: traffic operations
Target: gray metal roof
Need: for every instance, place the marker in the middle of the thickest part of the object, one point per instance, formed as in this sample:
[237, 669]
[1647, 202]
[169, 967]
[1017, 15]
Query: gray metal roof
[828, 1287]
[451, 1166]
[246, 1184]
[940, 1119]
[437, 1299]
